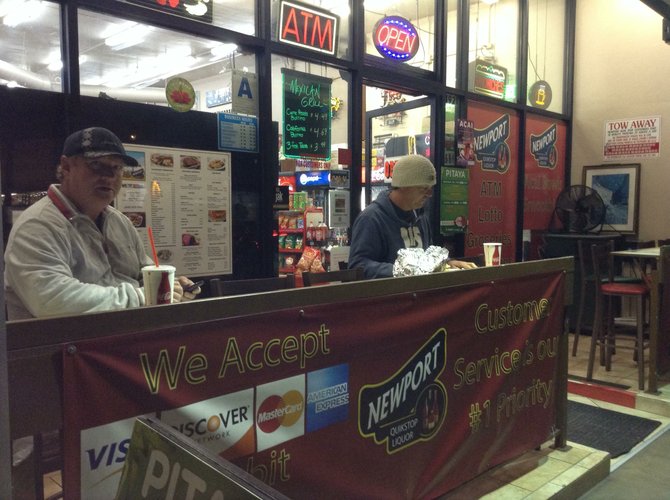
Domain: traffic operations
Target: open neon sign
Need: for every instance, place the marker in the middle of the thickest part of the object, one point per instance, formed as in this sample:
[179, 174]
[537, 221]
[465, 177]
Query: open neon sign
[396, 38]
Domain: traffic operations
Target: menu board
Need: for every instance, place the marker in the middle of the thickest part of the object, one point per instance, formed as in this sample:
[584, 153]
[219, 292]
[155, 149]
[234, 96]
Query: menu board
[237, 132]
[306, 115]
[185, 197]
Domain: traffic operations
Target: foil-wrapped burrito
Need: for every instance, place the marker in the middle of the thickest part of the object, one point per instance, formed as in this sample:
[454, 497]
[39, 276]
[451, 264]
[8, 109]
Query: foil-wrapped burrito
[416, 261]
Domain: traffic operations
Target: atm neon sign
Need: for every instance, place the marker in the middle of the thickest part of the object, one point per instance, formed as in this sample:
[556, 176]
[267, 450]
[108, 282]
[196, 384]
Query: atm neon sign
[396, 38]
[308, 27]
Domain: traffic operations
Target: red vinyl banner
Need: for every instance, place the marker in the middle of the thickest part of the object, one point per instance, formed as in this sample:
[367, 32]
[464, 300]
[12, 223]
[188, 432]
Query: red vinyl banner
[493, 180]
[400, 396]
[544, 170]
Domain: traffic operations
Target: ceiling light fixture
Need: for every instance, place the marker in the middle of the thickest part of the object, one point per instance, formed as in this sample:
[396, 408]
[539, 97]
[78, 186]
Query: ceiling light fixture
[222, 51]
[128, 35]
[15, 12]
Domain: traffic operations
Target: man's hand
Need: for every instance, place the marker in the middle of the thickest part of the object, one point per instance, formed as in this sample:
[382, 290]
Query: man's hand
[460, 264]
[179, 295]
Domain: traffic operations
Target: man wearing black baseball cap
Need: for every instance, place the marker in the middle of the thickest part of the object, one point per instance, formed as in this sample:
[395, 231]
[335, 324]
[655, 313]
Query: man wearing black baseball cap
[71, 252]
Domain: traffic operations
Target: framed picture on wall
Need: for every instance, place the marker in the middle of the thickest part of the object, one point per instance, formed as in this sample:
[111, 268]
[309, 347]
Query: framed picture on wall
[619, 187]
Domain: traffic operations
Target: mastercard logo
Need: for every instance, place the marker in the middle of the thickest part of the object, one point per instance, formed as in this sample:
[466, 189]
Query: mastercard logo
[277, 411]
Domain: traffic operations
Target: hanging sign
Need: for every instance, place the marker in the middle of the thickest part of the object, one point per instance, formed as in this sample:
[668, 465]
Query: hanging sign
[245, 92]
[396, 38]
[308, 27]
[180, 94]
[540, 94]
[490, 78]
[306, 115]
[196, 9]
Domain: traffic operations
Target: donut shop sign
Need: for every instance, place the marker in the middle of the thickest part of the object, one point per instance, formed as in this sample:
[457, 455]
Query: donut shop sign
[396, 38]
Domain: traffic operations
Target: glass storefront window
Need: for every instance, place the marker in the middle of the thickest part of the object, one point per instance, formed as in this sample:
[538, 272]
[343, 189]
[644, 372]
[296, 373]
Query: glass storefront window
[546, 54]
[387, 34]
[30, 39]
[493, 47]
[132, 62]
[452, 34]
[318, 25]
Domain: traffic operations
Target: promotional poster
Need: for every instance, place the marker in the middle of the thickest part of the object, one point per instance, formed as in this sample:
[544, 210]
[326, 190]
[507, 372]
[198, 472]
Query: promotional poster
[545, 170]
[493, 181]
[439, 387]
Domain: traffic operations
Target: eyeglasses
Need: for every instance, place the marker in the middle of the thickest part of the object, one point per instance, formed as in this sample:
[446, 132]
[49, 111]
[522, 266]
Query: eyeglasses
[103, 168]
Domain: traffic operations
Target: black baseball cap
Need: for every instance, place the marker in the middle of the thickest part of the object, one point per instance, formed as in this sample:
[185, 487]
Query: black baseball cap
[95, 142]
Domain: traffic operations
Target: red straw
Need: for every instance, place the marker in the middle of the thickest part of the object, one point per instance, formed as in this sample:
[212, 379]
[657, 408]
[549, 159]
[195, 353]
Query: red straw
[153, 245]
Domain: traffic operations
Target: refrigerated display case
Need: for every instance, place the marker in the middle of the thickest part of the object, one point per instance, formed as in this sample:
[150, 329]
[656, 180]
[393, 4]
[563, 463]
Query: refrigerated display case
[329, 190]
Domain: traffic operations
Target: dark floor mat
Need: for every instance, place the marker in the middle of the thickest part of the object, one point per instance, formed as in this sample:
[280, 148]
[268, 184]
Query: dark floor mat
[606, 430]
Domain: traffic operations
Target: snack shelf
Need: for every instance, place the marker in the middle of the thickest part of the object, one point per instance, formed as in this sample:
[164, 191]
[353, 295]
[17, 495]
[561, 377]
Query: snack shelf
[294, 225]
[291, 250]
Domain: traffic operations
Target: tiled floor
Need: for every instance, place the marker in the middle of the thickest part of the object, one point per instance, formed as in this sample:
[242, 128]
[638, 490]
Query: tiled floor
[560, 474]
[52, 484]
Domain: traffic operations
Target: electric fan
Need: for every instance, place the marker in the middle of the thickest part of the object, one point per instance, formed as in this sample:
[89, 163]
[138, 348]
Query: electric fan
[580, 208]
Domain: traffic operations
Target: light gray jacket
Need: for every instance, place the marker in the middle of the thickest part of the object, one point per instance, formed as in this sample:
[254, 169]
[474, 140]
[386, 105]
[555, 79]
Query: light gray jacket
[57, 261]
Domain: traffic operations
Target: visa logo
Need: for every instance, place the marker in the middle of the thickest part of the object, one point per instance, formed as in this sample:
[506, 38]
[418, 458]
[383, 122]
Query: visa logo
[109, 454]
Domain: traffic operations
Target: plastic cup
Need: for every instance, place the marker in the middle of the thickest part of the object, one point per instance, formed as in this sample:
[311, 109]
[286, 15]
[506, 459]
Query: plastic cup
[158, 284]
[492, 254]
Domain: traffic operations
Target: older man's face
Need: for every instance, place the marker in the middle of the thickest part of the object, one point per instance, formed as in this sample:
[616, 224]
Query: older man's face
[91, 183]
[416, 196]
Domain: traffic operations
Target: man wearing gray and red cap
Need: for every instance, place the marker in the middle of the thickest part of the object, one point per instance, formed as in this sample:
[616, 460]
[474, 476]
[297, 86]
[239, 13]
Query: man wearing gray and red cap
[71, 252]
[395, 220]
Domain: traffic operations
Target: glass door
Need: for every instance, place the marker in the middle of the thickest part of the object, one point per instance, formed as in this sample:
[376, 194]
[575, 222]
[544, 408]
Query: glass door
[398, 126]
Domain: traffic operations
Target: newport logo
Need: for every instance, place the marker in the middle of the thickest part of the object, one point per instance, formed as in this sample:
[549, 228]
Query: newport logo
[543, 148]
[491, 148]
[411, 405]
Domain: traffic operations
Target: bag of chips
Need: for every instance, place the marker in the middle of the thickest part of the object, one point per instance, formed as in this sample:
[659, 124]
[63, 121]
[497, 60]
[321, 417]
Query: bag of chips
[307, 259]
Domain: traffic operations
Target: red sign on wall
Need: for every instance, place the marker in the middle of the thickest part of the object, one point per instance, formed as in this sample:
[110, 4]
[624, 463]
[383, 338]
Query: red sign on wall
[544, 170]
[493, 180]
[308, 27]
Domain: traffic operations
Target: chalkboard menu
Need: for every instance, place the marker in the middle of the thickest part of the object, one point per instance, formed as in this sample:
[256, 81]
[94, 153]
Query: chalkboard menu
[306, 115]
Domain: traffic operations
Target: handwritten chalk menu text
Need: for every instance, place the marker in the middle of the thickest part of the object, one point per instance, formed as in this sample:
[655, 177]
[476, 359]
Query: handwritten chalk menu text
[306, 115]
